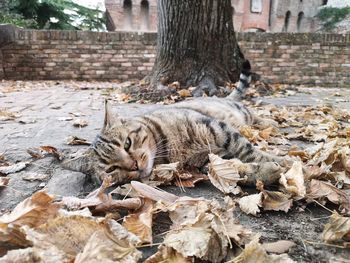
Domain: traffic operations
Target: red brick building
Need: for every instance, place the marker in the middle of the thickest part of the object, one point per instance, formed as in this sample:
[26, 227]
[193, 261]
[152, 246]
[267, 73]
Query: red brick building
[248, 15]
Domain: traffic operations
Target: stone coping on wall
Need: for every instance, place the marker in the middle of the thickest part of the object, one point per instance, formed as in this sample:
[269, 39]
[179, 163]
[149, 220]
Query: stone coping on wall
[12, 34]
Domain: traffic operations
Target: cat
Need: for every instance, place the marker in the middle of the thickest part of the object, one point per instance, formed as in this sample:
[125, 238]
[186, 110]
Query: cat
[128, 148]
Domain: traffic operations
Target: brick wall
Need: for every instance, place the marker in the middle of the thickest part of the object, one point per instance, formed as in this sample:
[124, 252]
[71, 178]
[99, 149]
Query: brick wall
[308, 59]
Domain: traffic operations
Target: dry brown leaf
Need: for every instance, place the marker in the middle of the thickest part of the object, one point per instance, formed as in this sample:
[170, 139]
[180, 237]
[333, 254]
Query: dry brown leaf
[320, 189]
[198, 240]
[250, 204]
[35, 177]
[33, 255]
[255, 252]
[80, 123]
[293, 181]
[94, 240]
[51, 150]
[266, 133]
[140, 222]
[6, 115]
[112, 243]
[152, 193]
[167, 255]
[100, 202]
[276, 201]
[324, 153]
[125, 190]
[344, 156]
[278, 247]
[95, 198]
[164, 172]
[191, 182]
[342, 177]
[12, 237]
[299, 153]
[4, 181]
[14, 168]
[224, 174]
[184, 93]
[337, 230]
[33, 211]
[249, 133]
[75, 140]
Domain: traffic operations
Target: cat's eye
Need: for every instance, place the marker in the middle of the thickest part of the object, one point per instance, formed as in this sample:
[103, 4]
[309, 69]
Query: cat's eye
[112, 168]
[127, 144]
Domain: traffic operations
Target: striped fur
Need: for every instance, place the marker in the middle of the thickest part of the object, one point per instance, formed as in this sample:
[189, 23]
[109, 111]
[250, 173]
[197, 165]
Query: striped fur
[244, 81]
[182, 133]
[127, 149]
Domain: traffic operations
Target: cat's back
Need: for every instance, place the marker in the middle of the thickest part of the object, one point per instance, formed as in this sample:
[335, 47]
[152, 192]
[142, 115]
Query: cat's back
[221, 109]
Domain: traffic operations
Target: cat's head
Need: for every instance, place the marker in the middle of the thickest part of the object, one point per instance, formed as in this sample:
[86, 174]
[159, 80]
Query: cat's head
[123, 150]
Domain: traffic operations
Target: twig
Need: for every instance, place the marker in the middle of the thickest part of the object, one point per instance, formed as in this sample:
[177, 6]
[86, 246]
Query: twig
[321, 205]
[324, 244]
[302, 241]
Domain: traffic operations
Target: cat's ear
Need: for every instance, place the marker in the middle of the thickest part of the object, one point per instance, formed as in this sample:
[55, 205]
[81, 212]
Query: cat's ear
[110, 117]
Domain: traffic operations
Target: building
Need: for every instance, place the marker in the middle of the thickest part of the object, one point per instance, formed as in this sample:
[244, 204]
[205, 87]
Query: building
[248, 15]
[129, 15]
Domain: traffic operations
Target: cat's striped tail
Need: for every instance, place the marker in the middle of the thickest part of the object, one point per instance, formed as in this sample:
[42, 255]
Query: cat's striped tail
[244, 80]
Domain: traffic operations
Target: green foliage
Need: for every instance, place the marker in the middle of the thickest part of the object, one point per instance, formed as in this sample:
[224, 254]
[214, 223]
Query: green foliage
[53, 14]
[332, 15]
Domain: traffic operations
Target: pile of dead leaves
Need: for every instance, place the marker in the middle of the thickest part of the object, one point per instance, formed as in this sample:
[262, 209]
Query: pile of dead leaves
[41, 229]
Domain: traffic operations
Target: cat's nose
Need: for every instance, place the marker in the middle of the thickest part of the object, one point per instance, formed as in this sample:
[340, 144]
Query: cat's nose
[135, 166]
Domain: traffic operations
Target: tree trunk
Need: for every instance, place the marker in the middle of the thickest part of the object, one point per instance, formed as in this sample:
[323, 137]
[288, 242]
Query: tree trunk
[196, 44]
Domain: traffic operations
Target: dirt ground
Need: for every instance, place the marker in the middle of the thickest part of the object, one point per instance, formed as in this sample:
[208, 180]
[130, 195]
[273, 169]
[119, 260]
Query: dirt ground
[45, 113]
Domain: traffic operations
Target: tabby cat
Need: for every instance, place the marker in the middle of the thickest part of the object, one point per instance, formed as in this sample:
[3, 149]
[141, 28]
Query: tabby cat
[127, 149]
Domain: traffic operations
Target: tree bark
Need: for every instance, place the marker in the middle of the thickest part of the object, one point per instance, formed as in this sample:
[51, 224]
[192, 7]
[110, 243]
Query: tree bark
[196, 44]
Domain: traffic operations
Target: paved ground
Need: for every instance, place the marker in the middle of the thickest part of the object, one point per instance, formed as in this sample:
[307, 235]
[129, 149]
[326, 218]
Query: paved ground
[46, 113]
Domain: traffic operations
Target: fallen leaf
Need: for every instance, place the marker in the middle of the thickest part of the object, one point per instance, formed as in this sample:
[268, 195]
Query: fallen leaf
[250, 204]
[344, 156]
[184, 93]
[278, 247]
[35, 177]
[80, 123]
[323, 154]
[140, 222]
[4, 181]
[273, 200]
[299, 153]
[293, 181]
[224, 175]
[34, 255]
[342, 177]
[52, 150]
[191, 181]
[249, 133]
[112, 243]
[320, 189]
[337, 230]
[198, 240]
[167, 255]
[164, 172]
[276, 201]
[14, 168]
[255, 252]
[74, 140]
[33, 211]
[6, 115]
[152, 193]
[266, 133]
